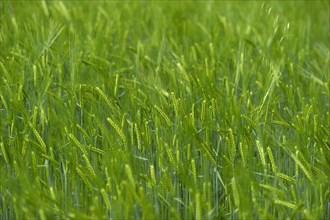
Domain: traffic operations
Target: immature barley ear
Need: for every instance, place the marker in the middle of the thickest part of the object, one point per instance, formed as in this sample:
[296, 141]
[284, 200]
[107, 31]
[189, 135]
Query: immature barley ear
[117, 129]
[232, 146]
[261, 154]
[272, 160]
[129, 175]
[4, 153]
[153, 176]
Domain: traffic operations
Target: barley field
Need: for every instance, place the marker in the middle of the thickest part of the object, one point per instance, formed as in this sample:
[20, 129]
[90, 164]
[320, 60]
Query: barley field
[164, 110]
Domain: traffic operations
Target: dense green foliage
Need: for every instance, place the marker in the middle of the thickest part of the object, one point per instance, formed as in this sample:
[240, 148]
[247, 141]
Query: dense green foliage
[164, 110]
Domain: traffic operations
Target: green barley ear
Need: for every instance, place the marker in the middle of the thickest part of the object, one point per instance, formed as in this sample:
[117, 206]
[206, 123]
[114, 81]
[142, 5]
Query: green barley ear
[192, 118]
[115, 91]
[138, 137]
[42, 145]
[4, 153]
[188, 153]
[194, 171]
[232, 146]
[213, 109]
[89, 167]
[272, 160]
[170, 155]
[208, 153]
[129, 174]
[153, 176]
[34, 162]
[147, 134]
[250, 121]
[285, 203]
[84, 179]
[117, 129]
[164, 116]
[286, 177]
[316, 124]
[20, 107]
[43, 119]
[261, 154]
[242, 151]
[175, 103]
[294, 194]
[34, 116]
[17, 170]
[106, 199]
[4, 102]
[78, 144]
[84, 133]
[7, 77]
[305, 169]
[131, 132]
[105, 98]
[178, 160]
[97, 150]
[203, 111]
[274, 190]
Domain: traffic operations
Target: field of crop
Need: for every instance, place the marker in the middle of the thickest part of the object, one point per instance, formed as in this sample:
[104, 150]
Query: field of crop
[164, 110]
